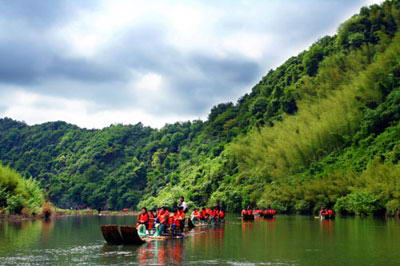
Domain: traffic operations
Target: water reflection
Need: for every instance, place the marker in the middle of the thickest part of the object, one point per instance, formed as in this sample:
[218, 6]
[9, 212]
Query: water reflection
[47, 227]
[326, 227]
[270, 224]
[16, 235]
[282, 240]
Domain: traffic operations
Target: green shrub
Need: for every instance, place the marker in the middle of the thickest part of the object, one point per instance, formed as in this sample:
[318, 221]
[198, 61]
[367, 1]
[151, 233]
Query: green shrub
[358, 202]
[393, 207]
[302, 207]
[17, 193]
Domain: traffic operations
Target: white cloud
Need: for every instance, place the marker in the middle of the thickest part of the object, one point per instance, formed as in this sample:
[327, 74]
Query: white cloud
[36, 108]
[148, 82]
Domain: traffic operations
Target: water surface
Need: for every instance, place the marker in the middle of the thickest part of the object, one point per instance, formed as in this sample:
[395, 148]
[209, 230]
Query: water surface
[285, 240]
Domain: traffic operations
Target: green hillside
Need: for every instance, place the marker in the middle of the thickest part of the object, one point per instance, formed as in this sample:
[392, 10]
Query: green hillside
[321, 129]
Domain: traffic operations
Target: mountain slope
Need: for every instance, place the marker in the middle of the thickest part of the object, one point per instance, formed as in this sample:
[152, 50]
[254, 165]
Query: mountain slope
[334, 106]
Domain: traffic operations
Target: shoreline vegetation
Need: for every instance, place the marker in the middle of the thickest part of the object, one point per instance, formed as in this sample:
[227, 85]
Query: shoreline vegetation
[60, 213]
[320, 131]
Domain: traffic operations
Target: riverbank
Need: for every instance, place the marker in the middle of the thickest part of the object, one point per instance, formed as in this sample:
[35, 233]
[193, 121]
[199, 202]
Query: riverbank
[64, 213]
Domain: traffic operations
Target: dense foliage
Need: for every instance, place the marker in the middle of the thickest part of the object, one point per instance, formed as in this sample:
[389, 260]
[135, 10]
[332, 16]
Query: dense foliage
[19, 195]
[321, 129]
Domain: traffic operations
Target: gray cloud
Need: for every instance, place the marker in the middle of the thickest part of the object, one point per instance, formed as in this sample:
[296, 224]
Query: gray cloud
[34, 59]
[42, 14]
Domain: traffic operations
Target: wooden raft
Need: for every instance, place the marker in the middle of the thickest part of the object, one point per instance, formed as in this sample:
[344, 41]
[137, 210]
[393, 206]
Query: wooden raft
[247, 217]
[121, 235]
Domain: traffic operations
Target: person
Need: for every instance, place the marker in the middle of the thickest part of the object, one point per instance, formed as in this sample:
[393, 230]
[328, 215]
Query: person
[212, 215]
[195, 216]
[204, 216]
[221, 215]
[162, 221]
[143, 217]
[151, 220]
[247, 212]
[178, 220]
[183, 204]
[142, 223]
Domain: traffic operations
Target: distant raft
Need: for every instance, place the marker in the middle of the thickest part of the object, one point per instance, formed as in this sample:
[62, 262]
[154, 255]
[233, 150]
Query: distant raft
[248, 217]
[121, 235]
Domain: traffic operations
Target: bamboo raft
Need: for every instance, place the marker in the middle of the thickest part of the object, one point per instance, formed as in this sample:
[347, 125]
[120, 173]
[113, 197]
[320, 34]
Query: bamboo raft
[247, 217]
[128, 235]
[121, 235]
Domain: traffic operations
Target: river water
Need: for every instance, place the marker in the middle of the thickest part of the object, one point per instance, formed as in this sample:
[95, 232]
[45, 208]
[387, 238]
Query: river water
[285, 240]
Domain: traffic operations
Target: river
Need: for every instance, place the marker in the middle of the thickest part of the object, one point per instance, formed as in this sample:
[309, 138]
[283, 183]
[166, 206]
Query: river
[285, 240]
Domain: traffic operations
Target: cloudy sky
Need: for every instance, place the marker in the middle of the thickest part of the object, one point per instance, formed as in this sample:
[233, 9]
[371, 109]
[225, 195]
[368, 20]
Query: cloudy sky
[96, 63]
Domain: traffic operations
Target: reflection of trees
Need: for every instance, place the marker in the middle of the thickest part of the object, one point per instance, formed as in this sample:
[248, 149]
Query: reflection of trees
[15, 235]
[47, 228]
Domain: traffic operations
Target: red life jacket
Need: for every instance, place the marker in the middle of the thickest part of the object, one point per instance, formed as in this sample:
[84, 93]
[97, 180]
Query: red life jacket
[221, 214]
[179, 217]
[324, 212]
[151, 220]
[144, 217]
[171, 219]
[163, 217]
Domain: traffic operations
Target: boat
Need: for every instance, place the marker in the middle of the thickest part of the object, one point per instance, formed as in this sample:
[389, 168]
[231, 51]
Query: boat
[121, 235]
[129, 235]
[268, 214]
[326, 214]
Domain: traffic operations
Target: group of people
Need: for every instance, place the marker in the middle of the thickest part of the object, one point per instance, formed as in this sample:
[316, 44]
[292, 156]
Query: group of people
[159, 222]
[266, 213]
[207, 215]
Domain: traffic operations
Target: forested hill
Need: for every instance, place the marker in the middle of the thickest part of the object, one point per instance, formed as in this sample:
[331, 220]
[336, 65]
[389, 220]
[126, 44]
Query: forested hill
[321, 129]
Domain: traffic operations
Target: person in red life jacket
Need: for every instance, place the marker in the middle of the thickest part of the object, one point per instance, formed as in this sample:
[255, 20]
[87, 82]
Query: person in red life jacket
[209, 215]
[163, 219]
[212, 215]
[179, 220]
[216, 211]
[151, 220]
[195, 216]
[143, 218]
[204, 215]
[221, 214]
[158, 211]
[323, 212]
[247, 211]
[171, 221]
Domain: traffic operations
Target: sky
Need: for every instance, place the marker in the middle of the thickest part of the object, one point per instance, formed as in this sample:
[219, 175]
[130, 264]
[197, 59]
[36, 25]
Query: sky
[96, 63]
